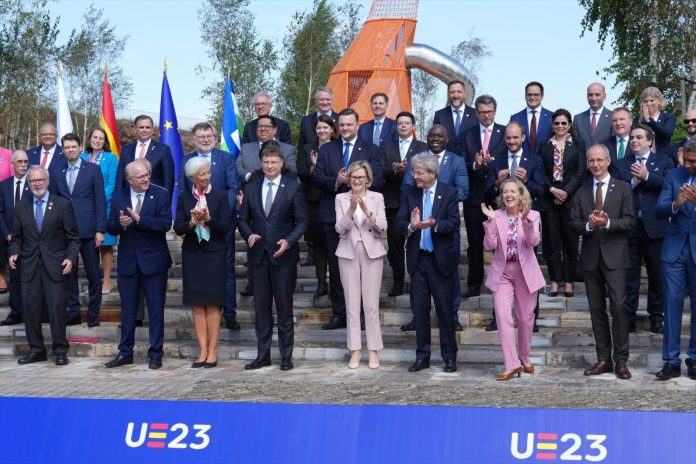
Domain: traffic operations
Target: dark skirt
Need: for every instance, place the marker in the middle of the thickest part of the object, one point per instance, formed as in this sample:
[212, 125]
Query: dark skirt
[313, 233]
[204, 276]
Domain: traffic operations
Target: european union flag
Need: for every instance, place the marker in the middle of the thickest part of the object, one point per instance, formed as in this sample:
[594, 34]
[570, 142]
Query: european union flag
[169, 134]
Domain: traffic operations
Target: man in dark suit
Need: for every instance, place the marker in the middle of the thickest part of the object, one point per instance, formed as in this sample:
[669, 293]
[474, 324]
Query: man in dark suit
[248, 161]
[602, 213]
[159, 155]
[481, 145]
[45, 244]
[457, 117]
[535, 119]
[81, 182]
[223, 174]
[594, 124]
[381, 129]
[677, 202]
[12, 191]
[272, 220]
[141, 215]
[324, 99]
[263, 104]
[690, 127]
[396, 156]
[619, 144]
[330, 177]
[429, 217]
[644, 172]
[49, 154]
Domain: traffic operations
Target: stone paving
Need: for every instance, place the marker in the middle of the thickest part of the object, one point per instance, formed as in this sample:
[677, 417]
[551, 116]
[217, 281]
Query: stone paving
[334, 383]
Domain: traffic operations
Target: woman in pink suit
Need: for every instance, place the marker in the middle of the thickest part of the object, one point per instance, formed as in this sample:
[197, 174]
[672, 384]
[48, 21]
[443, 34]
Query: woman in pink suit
[512, 231]
[6, 171]
[360, 221]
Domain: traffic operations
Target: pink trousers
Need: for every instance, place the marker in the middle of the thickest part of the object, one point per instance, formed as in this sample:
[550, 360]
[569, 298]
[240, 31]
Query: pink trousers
[513, 287]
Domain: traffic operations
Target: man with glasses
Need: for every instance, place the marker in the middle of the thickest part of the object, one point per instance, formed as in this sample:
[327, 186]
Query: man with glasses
[324, 99]
[535, 120]
[690, 126]
[46, 243]
[248, 160]
[12, 191]
[263, 104]
[456, 117]
[49, 154]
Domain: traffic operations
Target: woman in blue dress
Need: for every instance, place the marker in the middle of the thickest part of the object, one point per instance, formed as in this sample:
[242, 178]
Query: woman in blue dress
[98, 151]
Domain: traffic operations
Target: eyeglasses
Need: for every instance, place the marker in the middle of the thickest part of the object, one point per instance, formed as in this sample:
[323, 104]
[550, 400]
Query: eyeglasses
[486, 113]
[358, 178]
[205, 137]
[141, 177]
[38, 181]
[265, 127]
[533, 94]
[48, 134]
[560, 123]
[262, 104]
[20, 162]
[689, 121]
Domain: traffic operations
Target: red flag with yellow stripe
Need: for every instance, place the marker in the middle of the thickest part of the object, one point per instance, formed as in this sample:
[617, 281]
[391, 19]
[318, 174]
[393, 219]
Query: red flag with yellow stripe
[107, 118]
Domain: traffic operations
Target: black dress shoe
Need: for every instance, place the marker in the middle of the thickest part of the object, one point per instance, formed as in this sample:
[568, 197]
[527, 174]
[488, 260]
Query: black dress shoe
[321, 290]
[396, 291]
[471, 292]
[61, 359]
[492, 326]
[286, 364]
[600, 367]
[258, 363]
[93, 322]
[197, 364]
[249, 291]
[535, 328]
[138, 322]
[119, 361]
[74, 320]
[335, 323]
[458, 326]
[668, 371]
[568, 294]
[409, 326]
[33, 357]
[657, 327]
[551, 294]
[155, 363]
[207, 365]
[11, 320]
[419, 364]
[632, 327]
[691, 368]
[450, 366]
[232, 323]
[621, 371]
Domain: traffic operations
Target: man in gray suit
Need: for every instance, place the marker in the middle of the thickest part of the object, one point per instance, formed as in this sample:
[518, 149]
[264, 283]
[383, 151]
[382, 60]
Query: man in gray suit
[248, 160]
[594, 124]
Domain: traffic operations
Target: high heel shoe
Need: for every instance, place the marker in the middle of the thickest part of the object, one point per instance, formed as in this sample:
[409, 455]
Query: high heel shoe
[527, 368]
[197, 364]
[552, 292]
[354, 360]
[373, 363]
[509, 375]
[568, 294]
[207, 365]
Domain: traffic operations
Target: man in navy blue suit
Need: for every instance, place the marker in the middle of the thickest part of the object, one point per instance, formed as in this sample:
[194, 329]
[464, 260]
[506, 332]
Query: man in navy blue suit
[457, 117]
[330, 177]
[324, 99]
[690, 126]
[159, 155]
[82, 183]
[453, 172]
[262, 106]
[224, 178]
[481, 145]
[13, 190]
[49, 154]
[644, 172]
[535, 120]
[429, 217]
[677, 202]
[141, 215]
[619, 145]
[381, 129]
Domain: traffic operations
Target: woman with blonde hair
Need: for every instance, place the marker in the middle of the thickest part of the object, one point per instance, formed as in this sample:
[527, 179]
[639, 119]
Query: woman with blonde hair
[652, 105]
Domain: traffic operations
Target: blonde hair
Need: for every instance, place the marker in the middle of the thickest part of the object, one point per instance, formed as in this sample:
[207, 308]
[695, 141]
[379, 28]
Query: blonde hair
[525, 197]
[362, 164]
[655, 93]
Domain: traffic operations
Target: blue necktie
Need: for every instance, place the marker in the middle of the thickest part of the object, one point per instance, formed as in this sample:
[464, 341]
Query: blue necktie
[38, 213]
[346, 154]
[427, 233]
[377, 133]
[458, 121]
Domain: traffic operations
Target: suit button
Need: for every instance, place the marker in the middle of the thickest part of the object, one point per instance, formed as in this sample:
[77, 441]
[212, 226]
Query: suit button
[369, 230]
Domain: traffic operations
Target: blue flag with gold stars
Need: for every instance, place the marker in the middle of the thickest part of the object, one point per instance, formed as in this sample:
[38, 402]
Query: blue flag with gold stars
[169, 134]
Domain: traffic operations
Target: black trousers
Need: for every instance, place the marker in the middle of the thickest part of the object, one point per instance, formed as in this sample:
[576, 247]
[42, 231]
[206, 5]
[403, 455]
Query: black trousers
[427, 280]
[395, 252]
[55, 294]
[559, 243]
[14, 285]
[274, 283]
[338, 301]
[643, 248]
[473, 220]
[90, 261]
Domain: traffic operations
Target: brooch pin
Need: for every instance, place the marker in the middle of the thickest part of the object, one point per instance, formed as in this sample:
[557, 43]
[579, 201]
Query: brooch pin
[151, 197]
[282, 185]
[439, 197]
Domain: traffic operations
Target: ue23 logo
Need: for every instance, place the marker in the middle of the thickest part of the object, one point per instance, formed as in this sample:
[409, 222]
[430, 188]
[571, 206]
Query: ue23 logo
[546, 447]
[161, 435]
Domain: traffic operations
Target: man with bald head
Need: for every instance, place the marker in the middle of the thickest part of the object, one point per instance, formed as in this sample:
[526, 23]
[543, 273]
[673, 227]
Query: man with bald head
[594, 124]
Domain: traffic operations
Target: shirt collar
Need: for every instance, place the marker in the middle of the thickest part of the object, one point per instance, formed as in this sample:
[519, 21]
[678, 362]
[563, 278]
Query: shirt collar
[518, 153]
[275, 181]
[76, 165]
[351, 141]
[409, 138]
[537, 109]
[482, 127]
[599, 111]
[605, 179]
[209, 154]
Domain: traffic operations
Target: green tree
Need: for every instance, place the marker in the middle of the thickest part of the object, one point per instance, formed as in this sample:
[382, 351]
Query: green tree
[470, 53]
[228, 30]
[350, 22]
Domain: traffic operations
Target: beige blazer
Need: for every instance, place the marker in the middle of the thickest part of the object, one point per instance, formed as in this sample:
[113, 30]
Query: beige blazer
[369, 233]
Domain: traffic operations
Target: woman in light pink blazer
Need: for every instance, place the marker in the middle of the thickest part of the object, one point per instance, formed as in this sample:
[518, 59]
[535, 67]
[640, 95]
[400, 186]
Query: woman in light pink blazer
[360, 220]
[512, 231]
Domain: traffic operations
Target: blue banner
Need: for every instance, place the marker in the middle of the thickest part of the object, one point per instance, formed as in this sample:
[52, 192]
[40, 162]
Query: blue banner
[169, 134]
[46, 430]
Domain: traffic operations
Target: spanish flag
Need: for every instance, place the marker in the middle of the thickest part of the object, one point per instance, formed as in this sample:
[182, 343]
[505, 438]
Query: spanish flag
[107, 117]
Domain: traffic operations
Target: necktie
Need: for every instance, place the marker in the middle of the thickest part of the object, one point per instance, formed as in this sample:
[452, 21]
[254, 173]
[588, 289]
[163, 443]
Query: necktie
[622, 149]
[437, 157]
[593, 124]
[457, 121]
[533, 132]
[427, 211]
[139, 202]
[346, 154]
[44, 159]
[640, 160]
[403, 148]
[18, 191]
[141, 155]
[513, 166]
[71, 178]
[486, 139]
[599, 203]
[377, 133]
[269, 199]
[38, 213]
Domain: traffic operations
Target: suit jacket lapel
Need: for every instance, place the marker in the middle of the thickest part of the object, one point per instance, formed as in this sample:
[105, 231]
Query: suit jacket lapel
[280, 191]
[48, 213]
[437, 200]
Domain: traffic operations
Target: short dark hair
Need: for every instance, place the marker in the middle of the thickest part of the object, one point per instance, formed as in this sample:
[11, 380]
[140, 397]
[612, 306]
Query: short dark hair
[142, 116]
[328, 120]
[270, 148]
[649, 134]
[269, 117]
[70, 136]
[456, 81]
[202, 126]
[485, 100]
[379, 94]
[407, 114]
[690, 146]
[538, 84]
[349, 112]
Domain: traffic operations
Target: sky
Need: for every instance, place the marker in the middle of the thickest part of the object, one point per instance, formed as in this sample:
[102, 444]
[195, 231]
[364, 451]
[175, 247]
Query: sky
[528, 40]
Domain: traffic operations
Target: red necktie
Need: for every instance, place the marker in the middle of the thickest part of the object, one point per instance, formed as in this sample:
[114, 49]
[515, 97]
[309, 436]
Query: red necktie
[44, 159]
[533, 132]
[593, 124]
